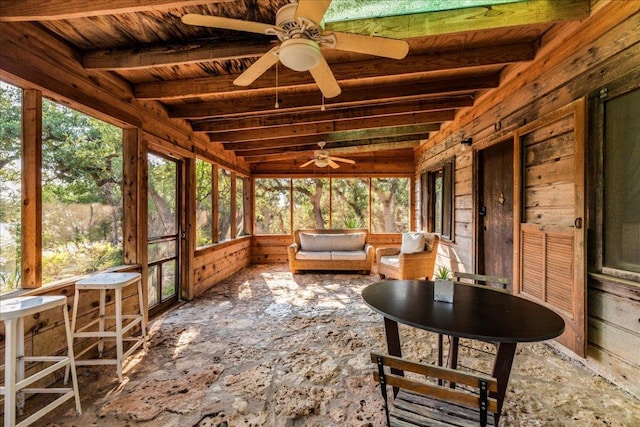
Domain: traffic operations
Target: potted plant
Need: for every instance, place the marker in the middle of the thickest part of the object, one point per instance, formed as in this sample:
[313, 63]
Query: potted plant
[443, 286]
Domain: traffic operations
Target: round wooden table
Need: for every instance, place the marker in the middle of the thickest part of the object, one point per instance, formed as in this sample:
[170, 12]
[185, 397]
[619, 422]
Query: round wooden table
[477, 312]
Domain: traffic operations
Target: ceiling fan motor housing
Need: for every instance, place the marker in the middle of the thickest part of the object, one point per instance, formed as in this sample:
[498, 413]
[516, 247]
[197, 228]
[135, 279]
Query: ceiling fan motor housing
[295, 28]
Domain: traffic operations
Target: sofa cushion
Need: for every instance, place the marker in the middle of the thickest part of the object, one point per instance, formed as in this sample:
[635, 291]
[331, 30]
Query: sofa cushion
[392, 261]
[412, 242]
[314, 255]
[348, 255]
[329, 242]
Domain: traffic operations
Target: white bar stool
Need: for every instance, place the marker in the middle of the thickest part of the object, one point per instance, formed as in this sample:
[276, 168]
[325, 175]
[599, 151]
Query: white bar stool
[12, 313]
[103, 282]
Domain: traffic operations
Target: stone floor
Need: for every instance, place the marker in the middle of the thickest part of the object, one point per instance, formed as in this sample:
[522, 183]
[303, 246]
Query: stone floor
[265, 348]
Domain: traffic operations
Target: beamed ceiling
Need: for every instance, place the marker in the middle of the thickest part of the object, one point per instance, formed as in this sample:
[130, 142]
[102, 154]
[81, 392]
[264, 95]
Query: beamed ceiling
[385, 104]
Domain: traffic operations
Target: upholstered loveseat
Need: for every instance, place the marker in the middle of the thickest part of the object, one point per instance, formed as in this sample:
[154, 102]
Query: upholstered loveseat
[415, 259]
[331, 250]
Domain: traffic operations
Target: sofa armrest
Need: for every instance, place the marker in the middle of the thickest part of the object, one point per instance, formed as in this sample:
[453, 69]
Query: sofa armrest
[369, 250]
[380, 252]
[292, 248]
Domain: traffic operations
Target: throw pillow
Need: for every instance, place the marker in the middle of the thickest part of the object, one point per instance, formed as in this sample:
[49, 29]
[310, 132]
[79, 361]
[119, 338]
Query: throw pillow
[412, 242]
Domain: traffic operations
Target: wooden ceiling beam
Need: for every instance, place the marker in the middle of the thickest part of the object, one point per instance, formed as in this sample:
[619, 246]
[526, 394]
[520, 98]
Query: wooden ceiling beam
[298, 130]
[379, 67]
[336, 137]
[171, 54]
[334, 114]
[362, 146]
[356, 95]
[50, 10]
[467, 19]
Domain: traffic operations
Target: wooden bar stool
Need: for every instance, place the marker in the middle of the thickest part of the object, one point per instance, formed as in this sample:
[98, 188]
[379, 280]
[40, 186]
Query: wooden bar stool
[12, 313]
[116, 282]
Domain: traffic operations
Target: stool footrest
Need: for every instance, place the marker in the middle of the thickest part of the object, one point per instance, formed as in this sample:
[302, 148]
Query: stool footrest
[51, 406]
[84, 362]
[61, 363]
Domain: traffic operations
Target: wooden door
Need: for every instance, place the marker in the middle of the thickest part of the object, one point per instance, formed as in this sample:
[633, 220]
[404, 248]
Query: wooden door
[495, 210]
[549, 218]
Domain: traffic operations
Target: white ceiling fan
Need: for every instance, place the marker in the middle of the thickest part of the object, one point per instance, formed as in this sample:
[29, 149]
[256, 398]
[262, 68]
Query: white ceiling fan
[322, 158]
[300, 28]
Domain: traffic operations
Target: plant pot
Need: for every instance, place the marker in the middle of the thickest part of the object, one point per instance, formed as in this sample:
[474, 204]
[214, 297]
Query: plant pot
[443, 290]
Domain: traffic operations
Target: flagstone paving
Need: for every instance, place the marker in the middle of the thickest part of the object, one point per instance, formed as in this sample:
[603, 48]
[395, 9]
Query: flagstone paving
[267, 348]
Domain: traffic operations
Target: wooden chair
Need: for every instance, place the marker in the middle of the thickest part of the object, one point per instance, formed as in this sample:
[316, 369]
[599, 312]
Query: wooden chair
[499, 284]
[420, 402]
[394, 264]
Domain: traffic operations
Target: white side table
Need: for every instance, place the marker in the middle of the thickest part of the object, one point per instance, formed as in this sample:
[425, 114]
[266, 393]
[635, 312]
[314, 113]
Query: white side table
[12, 313]
[116, 282]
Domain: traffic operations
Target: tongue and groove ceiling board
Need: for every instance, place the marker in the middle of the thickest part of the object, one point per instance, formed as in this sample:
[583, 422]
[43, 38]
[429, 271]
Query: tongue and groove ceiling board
[385, 104]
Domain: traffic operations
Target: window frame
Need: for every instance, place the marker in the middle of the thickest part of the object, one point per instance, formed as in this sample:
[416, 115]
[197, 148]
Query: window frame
[428, 199]
[595, 179]
[369, 178]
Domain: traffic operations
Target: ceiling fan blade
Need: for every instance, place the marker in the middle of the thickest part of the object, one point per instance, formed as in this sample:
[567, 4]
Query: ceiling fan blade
[308, 163]
[226, 23]
[257, 68]
[312, 9]
[341, 159]
[333, 164]
[370, 45]
[324, 78]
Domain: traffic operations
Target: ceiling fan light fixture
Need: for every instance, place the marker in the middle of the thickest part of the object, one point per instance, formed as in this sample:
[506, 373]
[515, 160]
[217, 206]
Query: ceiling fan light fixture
[300, 54]
[322, 163]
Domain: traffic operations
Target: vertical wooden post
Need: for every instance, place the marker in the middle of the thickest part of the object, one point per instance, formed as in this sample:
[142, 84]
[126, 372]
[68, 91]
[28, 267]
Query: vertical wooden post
[517, 209]
[189, 244]
[31, 189]
[216, 211]
[232, 220]
[130, 196]
[248, 206]
[134, 199]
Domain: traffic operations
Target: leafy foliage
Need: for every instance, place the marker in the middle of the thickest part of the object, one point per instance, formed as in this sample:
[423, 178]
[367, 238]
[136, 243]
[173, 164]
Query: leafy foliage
[81, 190]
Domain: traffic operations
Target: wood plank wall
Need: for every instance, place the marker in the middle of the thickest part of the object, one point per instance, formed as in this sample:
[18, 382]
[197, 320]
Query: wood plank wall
[573, 61]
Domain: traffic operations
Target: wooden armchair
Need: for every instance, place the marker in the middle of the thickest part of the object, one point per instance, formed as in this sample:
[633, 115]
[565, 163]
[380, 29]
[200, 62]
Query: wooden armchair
[393, 263]
[421, 402]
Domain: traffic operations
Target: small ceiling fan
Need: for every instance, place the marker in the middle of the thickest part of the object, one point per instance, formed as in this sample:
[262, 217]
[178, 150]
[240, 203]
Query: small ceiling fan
[322, 158]
[300, 28]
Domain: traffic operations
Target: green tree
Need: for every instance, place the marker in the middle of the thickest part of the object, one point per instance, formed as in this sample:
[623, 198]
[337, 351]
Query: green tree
[272, 204]
[10, 193]
[311, 203]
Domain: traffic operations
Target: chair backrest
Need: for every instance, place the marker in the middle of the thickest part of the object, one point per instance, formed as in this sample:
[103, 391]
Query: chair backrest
[495, 282]
[423, 402]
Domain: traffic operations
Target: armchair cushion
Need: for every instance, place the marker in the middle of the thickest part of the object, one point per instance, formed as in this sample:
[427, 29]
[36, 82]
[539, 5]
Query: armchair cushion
[412, 242]
[391, 261]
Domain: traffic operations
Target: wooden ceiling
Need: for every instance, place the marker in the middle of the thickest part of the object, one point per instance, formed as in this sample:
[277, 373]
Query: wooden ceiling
[385, 104]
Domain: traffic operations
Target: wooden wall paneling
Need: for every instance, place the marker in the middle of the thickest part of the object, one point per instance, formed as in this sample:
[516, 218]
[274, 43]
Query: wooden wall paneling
[31, 189]
[219, 262]
[573, 56]
[613, 302]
